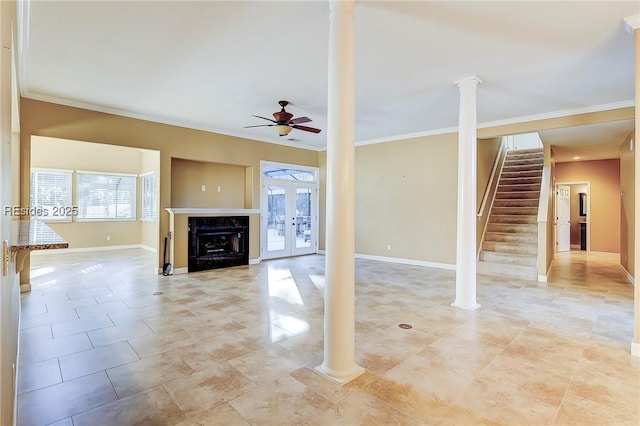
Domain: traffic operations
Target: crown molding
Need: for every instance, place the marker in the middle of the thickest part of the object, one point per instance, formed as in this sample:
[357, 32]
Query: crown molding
[160, 120]
[498, 123]
[434, 132]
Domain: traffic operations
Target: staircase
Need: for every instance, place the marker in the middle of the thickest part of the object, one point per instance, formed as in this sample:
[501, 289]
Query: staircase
[510, 246]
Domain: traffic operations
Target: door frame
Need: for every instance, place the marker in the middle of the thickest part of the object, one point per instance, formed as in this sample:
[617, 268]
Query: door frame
[555, 211]
[315, 219]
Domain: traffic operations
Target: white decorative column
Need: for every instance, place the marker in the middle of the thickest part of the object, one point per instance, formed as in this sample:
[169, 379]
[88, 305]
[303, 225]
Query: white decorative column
[339, 293]
[467, 176]
[633, 25]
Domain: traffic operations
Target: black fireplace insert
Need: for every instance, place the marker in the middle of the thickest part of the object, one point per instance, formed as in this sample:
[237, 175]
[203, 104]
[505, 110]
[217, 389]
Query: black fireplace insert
[218, 242]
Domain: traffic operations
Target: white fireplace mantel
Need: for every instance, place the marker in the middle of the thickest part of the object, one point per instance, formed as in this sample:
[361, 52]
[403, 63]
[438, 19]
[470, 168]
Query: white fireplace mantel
[177, 222]
[188, 210]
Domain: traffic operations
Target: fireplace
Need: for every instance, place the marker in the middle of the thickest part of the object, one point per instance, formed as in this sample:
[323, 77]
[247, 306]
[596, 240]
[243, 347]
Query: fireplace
[218, 242]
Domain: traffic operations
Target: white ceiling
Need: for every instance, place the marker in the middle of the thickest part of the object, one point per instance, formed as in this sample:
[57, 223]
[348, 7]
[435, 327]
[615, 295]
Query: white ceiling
[211, 65]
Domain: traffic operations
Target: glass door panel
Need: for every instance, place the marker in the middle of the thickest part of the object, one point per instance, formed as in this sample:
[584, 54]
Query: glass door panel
[305, 211]
[275, 199]
[289, 223]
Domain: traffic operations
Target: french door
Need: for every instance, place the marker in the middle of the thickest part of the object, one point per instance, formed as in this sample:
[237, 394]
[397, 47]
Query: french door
[563, 218]
[289, 219]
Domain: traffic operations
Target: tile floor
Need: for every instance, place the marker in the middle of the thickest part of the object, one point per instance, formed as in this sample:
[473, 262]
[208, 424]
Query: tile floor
[104, 341]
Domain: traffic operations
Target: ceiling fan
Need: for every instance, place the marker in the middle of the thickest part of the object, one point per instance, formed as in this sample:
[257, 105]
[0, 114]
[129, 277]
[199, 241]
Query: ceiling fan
[284, 121]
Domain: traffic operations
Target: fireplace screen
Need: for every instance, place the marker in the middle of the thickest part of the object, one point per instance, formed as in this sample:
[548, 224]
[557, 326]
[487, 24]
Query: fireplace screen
[218, 242]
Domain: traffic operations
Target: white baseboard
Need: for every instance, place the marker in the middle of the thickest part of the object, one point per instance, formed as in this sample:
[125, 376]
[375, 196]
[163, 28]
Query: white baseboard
[413, 262]
[147, 248]
[635, 349]
[86, 249]
[629, 276]
[255, 261]
[545, 278]
[407, 261]
[179, 271]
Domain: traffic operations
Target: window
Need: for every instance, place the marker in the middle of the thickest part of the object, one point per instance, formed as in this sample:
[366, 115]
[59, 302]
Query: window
[50, 197]
[106, 196]
[288, 172]
[149, 184]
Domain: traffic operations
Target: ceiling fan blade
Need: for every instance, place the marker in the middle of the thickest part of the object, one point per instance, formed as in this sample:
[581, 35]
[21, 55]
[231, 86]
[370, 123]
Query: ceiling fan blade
[300, 120]
[265, 118]
[260, 125]
[306, 129]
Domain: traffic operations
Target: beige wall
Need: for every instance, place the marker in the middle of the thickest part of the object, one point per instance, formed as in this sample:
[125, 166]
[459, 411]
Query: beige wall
[627, 200]
[190, 176]
[546, 235]
[149, 229]
[604, 179]
[52, 120]
[488, 152]
[55, 153]
[406, 191]
[419, 160]
[406, 197]
[68, 154]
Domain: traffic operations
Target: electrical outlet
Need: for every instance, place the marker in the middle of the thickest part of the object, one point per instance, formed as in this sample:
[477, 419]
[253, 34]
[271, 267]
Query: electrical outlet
[389, 247]
[204, 188]
[219, 189]
[108, 237]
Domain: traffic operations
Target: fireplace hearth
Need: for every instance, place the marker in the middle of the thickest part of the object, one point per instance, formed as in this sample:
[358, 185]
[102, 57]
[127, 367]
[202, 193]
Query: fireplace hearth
[218, 242]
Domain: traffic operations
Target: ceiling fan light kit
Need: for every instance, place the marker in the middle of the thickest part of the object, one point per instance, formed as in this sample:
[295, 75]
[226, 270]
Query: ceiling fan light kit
[283, 129]
[284, 121]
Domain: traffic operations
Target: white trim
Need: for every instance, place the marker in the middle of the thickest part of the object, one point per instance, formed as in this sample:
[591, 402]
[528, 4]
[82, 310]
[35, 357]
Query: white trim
[545, 278]
[339, 378]
[87, 249]
[406, 261]
[498, 123]
[88, 172]
[405, 136]
[517, 120]
[184, 210]
[629, 276]
[147, 248]
[635, 349]
[50, 170]
[558, 114]
[146, 174]
[180, 271]
[321, 252]
[312, 169]
[632, 23]
[467, 307]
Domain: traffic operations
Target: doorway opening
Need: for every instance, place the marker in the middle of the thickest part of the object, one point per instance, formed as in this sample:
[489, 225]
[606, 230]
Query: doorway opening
[289, 220]
[572, 212]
